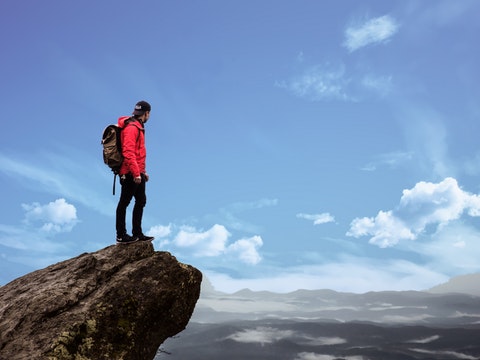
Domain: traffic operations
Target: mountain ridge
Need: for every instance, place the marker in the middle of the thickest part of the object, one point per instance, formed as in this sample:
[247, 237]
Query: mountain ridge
[441, 305]
[463, 284]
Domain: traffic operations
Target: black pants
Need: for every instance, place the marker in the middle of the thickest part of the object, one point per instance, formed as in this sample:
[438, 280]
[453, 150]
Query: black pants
[131, 190]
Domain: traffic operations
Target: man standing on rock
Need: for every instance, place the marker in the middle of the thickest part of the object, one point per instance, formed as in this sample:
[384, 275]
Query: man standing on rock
[133, 176]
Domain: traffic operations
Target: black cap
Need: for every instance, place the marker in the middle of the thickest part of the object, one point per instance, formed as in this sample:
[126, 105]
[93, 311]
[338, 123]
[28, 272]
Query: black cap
[141, 107]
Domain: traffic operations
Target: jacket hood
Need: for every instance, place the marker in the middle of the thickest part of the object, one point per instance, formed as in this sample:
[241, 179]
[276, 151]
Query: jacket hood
[122, 119]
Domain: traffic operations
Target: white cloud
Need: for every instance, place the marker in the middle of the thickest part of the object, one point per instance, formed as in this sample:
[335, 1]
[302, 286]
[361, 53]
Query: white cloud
[161, 234]
[426, 204]
[374, 31]
[56, 216]
[247, 249]
[36, 235]
[385, 228]
[430, 212]
[317, 219]
[215, 242]
[440, 203]
[208, 243]
[160, 231]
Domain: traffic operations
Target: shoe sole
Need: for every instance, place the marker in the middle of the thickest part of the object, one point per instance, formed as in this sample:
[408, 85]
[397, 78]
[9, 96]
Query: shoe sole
[146, 239]
[127, 242]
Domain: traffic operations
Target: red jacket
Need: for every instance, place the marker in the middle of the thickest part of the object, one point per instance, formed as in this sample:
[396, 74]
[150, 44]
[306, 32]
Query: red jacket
[133, 147]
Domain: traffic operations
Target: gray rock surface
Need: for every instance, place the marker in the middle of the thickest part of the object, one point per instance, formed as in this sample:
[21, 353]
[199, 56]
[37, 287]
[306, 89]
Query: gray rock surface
[121, 302]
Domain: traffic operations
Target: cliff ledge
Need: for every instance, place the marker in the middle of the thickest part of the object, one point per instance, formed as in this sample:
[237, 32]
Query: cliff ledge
[121, 302]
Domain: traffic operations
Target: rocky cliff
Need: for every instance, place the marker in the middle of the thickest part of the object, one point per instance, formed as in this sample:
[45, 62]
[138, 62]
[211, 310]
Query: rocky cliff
[121, 302]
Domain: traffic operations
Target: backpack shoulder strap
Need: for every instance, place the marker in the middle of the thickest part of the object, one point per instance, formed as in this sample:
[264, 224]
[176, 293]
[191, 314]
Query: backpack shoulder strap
[129, 121]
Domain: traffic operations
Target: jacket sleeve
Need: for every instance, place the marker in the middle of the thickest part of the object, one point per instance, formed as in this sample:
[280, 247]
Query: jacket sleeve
[129, 149]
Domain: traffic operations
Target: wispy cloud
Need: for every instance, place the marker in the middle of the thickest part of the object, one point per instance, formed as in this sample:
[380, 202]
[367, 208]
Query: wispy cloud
[230, 215]
[349, 274]
[381, 85]
[458, 240]
[327, 82]
[374, 31]
[427, 137]
[392, 160]
[317, 219]
[249, 205]
[426, 204]
[443, 13]
[66, 174]
[319, 83]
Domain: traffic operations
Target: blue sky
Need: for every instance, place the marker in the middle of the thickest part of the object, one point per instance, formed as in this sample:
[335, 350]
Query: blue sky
[291, 144]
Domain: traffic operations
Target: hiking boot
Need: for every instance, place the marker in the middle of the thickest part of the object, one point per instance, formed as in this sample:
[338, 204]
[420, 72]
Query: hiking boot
[126, 239]
[142, 237]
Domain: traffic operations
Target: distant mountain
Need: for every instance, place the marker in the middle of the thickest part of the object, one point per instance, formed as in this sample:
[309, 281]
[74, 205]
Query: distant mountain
[440, 305]
[441, 323]
[464, 284]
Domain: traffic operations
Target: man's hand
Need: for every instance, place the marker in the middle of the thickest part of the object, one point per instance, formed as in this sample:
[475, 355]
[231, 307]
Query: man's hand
[146, 177]
[137, 180]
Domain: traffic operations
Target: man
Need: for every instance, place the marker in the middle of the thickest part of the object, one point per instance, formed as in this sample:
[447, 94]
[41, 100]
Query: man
[132, 173]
